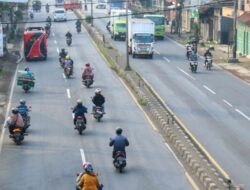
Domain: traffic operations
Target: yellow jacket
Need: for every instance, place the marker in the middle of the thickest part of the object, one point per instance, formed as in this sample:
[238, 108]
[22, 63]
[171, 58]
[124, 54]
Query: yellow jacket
[88, 182]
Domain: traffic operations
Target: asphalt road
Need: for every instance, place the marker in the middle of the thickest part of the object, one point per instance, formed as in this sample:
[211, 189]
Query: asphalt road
[52, 154]
[212, 104]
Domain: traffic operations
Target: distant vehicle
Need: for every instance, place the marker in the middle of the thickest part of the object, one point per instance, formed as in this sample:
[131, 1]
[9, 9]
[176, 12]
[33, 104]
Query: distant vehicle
[59, 3]
[101, 6]
[60, 14]
[35, 43]
[159, 21]
[72, 4]
[36, 5]
[141, 37]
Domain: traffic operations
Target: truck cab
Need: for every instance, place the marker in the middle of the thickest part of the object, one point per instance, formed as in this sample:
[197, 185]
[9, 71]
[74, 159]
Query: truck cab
[119, 30]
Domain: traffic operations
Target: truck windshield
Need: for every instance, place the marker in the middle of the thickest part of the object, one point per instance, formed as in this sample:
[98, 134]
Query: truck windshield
[157, 20]
[144, 38]
[121, 25]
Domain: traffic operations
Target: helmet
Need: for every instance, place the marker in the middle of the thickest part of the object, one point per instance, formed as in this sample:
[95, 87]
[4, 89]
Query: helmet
[118, 131]
[98, 91]
[87, 166]
[26, 69]
[87, 64]
[67, 57]
[79, 101]
[23, 102]
[63, 50]
[14, 110]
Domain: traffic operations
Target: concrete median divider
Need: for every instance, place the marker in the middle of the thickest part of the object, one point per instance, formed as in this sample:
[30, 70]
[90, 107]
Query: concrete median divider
[196, 161]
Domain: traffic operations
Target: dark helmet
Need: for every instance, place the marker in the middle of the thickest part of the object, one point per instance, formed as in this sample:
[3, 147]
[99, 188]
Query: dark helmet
[118, 131]
[22, 102]
[14, 110]
[63, 50]
[27, 69]
[87, 64]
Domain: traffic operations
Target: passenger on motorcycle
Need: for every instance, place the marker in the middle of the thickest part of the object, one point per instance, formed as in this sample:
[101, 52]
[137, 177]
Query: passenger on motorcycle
[88, 71]
[79, 110]
[189, 47]
[119, 142]
[88, 179]
[98, 100]
[15, 120]
[68, 62]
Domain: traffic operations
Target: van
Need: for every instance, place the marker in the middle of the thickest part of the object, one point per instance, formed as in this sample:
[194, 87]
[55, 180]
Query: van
[60, 15]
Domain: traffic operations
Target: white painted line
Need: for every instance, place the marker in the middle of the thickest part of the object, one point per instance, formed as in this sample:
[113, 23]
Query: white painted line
[156, 51]
[186, 73]
[209, 89]
[8, 108]
[68, 93]
[55, 42]
[166, 59]
[63, 75]
[73, 115]
[166, 144]
[53, 34]
[83, 156]
[57, 49]
[227, 103]
[244, 115]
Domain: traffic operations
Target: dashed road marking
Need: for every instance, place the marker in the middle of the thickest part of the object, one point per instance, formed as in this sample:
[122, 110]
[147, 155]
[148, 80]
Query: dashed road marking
[244, 115]
[227, 103]
[63, 75]
[68, 93]
[53, 34]
[57, 49]
[209, 89]
[82, 155]
[55, 41]
[166, 59]
[186, 73]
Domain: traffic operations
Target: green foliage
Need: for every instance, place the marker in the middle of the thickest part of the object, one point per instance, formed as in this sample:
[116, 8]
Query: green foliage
[19, 14]
[89, 19]
[146, 3]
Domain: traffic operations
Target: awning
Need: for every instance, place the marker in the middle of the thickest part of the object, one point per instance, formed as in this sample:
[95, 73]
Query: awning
[245, 18]
[14, 1]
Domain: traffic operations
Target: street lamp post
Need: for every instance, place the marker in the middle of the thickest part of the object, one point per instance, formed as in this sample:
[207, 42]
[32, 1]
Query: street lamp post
[92, 13]
[127, 68]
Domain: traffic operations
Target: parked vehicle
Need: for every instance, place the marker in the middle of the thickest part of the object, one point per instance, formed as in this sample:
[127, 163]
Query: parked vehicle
[141, 37]
[35, 43]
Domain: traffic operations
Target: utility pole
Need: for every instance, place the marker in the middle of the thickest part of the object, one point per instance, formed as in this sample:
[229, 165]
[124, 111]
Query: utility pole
[180, 18]
[235, 60]
[127, 68]
[92, 13]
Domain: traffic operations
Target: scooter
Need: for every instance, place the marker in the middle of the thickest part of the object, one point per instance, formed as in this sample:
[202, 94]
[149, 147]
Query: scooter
[208, 62]
[18, 135]
[98, 113]
[78, 28]
[193, 66]
[69, 41]
[120, 161]
[80, 125]
[68, 71]
[87, 81]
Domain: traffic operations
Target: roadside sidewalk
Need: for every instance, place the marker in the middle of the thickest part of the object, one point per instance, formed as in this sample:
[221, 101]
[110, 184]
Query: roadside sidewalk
[221, 53]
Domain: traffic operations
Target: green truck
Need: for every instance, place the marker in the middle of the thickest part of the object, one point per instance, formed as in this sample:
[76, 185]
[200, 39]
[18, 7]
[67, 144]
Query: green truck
[119, 30]
[159, 21]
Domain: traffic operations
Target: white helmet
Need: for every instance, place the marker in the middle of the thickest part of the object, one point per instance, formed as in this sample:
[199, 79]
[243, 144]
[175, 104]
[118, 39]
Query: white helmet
[98, 91]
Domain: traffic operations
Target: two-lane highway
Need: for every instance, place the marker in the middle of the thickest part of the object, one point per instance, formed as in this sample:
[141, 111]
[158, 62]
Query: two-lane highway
[212, 104]
[53, 152]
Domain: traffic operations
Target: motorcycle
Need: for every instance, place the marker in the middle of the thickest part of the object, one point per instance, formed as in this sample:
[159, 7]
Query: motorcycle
[18, 135]
[193, 66]
[26, 120]
[98, 113]
[61, 61]
[68, 71]
[47, 9]
[69, 41]
[188, 54]
[80, 125]
[26, 86]
[87, 81]
[208, 62]
[47, 32]
[120, 161]
[78, 28]
[31, 15]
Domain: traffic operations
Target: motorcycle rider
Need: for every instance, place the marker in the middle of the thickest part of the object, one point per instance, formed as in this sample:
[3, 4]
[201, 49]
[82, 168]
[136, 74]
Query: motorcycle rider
[15, 120]
[98, 100]
[31, 13]
[88, 179]
[79, 110]
[68, 62]
[88, 71]
[23, 110]
[47, 7]
[47, 28]
[49, 20]
[29, 73]
[189, 47]
[78, 23]
[119, 142]
[207, 53]
[63, 53]
[68, 35]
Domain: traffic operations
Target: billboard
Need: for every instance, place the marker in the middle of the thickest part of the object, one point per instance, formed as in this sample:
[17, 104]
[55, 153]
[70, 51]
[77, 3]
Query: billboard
[1, 40]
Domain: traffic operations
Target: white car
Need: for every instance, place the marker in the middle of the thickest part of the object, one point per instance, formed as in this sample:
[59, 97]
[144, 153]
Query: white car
[101, 6]
[60, 15]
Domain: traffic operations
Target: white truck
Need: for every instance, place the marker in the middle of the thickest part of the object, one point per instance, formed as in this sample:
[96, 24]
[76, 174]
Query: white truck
[141, 37]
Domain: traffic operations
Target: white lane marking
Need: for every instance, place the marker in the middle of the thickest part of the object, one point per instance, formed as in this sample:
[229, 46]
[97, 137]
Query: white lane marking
[53, 34]
[156, 51]
[57, 49]
[55, 42]
[166, 144]
[166, 59]
[209, 89]
[83, 156]
[227, 103]
[8, 108]
[73, 115]
[68, 93]
[63, 75]
[186, 73]
[244, 115]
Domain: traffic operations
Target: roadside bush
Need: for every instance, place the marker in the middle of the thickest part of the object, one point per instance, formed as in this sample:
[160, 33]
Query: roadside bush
[89, 19]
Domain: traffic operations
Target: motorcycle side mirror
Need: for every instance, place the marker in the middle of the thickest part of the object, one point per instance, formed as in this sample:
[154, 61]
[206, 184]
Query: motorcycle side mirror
[77, 174]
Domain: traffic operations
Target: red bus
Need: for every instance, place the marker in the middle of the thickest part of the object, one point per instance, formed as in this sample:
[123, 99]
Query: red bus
[35, 43]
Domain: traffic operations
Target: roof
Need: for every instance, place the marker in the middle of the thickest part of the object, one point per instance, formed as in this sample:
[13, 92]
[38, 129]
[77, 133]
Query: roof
[14, 1]
[245, 18]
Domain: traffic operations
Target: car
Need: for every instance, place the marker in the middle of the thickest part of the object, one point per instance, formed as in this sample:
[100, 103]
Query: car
[60, 14]
[101, 6]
